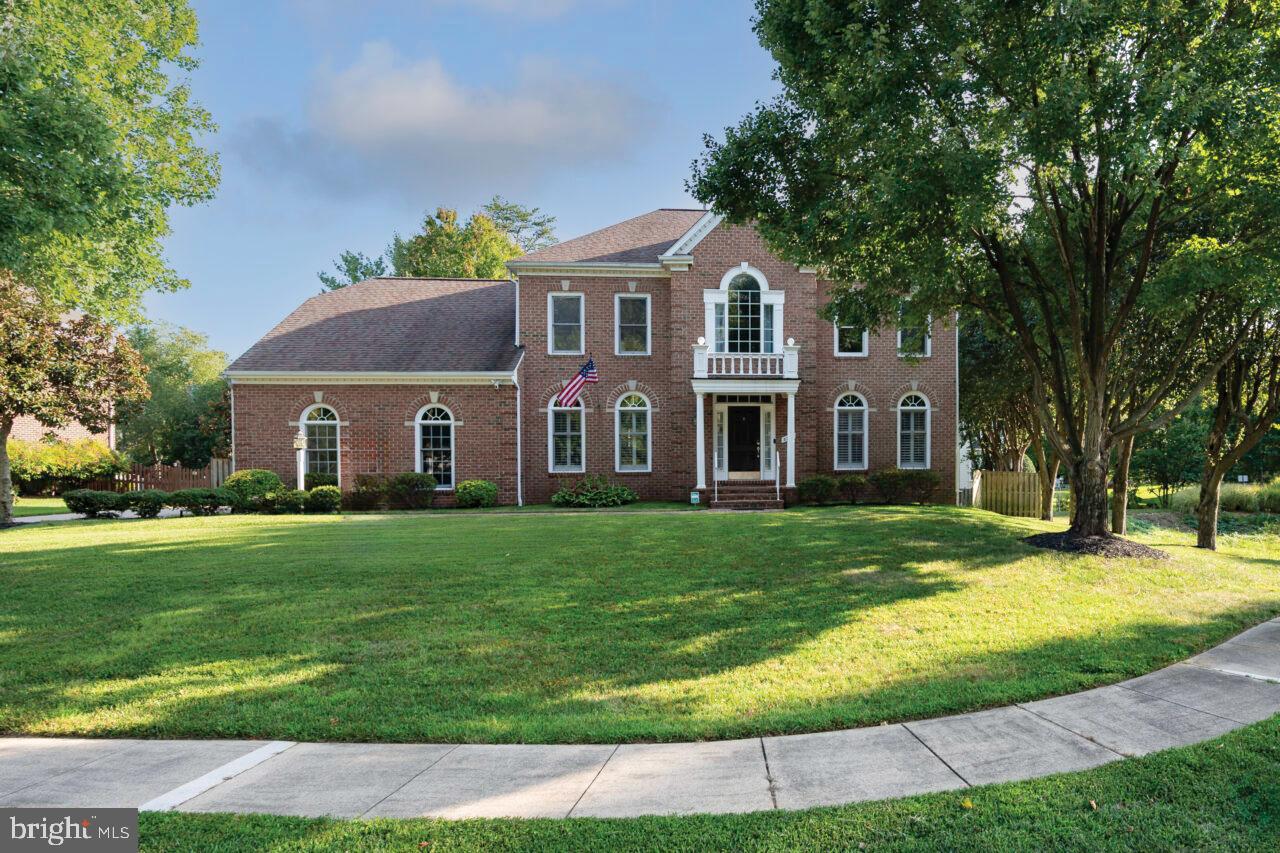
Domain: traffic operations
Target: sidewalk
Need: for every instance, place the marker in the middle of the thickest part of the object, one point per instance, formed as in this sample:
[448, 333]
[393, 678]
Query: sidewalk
[1222, 689]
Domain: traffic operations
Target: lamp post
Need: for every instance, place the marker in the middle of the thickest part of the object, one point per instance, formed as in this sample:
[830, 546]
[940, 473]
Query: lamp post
[300, 445]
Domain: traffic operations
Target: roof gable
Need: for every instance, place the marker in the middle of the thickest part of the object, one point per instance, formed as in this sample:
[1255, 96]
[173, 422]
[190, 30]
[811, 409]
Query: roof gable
[641, 239]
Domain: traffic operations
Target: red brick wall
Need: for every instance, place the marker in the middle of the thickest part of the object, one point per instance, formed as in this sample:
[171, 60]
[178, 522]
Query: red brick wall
[29, 429]
[373, 437]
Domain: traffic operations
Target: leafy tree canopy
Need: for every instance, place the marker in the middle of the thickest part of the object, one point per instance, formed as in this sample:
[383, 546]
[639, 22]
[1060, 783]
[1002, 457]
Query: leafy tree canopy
[351, 268]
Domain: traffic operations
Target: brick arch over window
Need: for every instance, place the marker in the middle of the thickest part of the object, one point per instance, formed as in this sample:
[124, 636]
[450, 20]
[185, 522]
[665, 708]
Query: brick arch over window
[635, 387]
[317, 398]
[915, 387]
[417, 404]
[852, 386]
[586, 397]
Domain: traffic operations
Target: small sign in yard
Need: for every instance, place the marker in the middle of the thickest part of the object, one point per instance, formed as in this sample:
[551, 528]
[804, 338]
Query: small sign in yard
[695, 498]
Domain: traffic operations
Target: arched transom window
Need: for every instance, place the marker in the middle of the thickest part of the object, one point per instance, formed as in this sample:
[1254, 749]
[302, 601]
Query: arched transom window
[435, 445]
[633, 429]
[744, 323]
[566, 437]
[320, 424]
[913, 432]
[851, 432]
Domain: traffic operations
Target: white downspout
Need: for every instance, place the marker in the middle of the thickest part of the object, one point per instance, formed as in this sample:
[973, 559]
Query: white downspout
[231, 389]
[515, 380]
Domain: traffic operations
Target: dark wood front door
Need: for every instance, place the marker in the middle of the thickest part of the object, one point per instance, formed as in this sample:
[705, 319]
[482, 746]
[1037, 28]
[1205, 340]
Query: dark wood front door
[744, 438]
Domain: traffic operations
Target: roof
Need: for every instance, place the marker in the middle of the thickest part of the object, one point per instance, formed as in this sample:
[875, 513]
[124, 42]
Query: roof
[639, 240]
[395, 324]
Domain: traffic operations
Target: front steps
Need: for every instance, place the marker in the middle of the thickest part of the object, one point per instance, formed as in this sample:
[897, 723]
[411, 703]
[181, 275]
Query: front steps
[747, 494]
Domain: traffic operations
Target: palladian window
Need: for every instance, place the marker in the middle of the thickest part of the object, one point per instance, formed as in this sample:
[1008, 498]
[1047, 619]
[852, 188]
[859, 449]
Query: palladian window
[744, 323]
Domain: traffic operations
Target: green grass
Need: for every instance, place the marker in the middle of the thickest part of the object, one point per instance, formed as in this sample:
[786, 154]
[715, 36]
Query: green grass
[583, 628]
[1221, 795]
[38, 506]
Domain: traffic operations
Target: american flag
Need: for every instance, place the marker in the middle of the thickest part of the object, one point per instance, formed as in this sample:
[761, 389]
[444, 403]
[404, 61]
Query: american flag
[585, 376]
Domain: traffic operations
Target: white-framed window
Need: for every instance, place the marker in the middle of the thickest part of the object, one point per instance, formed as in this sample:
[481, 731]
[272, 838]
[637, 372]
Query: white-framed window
[320, 424]
[913, 431]
[743, 315]
[633, 425]
[851, 433]
[434, 426]
[566, 438]
[915, 340]
[632, 324]
[565, 312]
[851, 341]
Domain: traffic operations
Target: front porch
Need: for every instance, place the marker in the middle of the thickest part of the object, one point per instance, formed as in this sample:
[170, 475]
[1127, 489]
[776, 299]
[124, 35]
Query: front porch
[745, 438]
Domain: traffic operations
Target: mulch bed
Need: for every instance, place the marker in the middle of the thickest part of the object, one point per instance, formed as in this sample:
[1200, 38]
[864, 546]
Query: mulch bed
[1100, 546]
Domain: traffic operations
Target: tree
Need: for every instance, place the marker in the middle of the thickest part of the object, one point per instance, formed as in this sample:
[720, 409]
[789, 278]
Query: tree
[185, 420]
[352, 268]
[478, 249]
[57, 369]
[997, 415]
[1171, 456]
[1072, 170]
[528, 227]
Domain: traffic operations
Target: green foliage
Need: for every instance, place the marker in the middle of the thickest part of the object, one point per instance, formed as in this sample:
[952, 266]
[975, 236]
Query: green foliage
[54, 466]
[899, 486]
[528, 227]
[147, 503]
[818, 489]
[203, 501]
[95, 504]
[1269, 497]
[594, 491]
[324, 499]
[186, 419]
[315, 480]
[1172, 456]
[852, 486]
[352, 268]
[471, 494]
[1232, 497]
[446, 249]
[251, 485]
[284, 502]
[410, 490]
[369, 492]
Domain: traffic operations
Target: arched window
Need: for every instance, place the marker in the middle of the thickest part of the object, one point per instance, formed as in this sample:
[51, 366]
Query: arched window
[435, 445]
[746, 321]
[913, 431]
[320, 424]
[566, 437]
[851, 432]
[632, 428]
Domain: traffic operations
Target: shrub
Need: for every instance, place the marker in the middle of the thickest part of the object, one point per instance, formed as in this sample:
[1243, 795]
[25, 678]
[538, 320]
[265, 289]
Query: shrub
[285, 501]
[476, 493]
[594, 492]
[369, 492]
[818, 489]
[1233, 497]
[411, 491]
[251, 485]
[324, 499]
[43, 466]
[203, 501]
[851, 486]
[316, 480]
[897, 486]
[1269, 497]
[94, 504]
[146, 503]
[1184, 500]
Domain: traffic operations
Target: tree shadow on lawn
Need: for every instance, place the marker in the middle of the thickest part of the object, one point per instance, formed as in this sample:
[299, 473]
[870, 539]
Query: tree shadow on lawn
[382, 629]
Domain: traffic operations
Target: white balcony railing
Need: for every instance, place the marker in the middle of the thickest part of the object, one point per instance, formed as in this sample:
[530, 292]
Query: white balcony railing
[746, 365]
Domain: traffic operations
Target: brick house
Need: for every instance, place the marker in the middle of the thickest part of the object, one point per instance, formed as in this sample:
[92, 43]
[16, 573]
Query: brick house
[716, 375]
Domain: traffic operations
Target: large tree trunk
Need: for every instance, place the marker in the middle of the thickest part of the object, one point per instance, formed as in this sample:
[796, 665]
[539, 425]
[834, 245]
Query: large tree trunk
[1120, 489]
[1089, 490]
[6, 478]
[1207, 508]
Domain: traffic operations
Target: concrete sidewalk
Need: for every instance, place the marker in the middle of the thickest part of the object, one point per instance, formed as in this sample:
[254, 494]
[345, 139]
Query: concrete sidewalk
[1222, 689]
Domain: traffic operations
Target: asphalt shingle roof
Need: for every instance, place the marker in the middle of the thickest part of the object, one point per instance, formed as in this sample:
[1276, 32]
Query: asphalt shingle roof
[395, 324]
[638, 240]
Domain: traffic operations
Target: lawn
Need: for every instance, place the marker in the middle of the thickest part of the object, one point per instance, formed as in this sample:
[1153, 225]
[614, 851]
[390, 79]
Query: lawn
[584, 628]
[38, 506]
[1221, 795]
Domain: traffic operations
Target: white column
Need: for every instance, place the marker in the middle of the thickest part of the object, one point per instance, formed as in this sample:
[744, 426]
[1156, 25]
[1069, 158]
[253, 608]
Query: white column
[791, 441]
[302, 469]
[702, 442]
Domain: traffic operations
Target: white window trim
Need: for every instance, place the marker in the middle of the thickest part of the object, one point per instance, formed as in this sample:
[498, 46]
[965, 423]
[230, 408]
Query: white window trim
[617, 435]
[835, 342]
[928, 342]
[582, 322]
[720, 296]
[453, 441]
[617, 324]
[835, 433]
[305, 420]
[552, 408]
[928, 431]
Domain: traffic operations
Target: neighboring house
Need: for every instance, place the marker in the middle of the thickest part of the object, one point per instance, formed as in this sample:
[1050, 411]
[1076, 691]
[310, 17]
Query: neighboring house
[26, 428]
[716, 375]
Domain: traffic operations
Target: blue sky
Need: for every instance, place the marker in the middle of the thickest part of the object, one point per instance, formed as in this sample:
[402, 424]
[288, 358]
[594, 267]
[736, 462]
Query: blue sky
[341, 122]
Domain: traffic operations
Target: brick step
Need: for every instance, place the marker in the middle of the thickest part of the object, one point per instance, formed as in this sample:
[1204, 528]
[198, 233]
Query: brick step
[747, 503]
[765, 492]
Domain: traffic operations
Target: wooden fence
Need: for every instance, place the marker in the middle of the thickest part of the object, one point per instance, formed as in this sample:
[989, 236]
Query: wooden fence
[1007, 492]
[167, 478]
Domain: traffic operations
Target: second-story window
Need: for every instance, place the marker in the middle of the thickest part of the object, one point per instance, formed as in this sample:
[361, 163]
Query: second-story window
[851, 340]
[564, 321]
[632, 318]
[914, 340]
[744, 323]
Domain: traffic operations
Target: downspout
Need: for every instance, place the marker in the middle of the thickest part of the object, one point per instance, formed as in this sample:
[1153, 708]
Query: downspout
[955, 413]
[515, 380]
[231, 392]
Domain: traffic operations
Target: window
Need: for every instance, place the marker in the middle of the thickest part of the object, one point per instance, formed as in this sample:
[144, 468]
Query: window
[851, 340]
[914, 340]
[913, 432]
[564, 322]
[320, 423]
[851, 432]
[633, 425]
[566, 438]
[744, 322]
[435, 445]
[632, 318]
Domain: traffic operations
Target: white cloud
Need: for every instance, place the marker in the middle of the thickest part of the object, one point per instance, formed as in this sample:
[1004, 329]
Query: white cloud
[387, 124]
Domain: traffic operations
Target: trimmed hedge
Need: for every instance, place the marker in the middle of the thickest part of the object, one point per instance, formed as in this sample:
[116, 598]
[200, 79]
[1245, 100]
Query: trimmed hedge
[852, 486]
[818, 489]
[94, 504]
[56, 466]
[251, 485]
[315, 481]
[203, 501]
[594, 491]
[411, 490]
[369, 492]
[146, 503]
[898, 486]
[471, 494]
[324, 499]
[285, 502]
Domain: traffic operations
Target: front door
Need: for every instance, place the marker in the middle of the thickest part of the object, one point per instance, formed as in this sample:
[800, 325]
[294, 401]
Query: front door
[744, 441]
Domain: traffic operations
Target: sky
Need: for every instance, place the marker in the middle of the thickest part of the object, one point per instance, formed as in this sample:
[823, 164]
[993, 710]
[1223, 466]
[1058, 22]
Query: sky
[342, 122]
